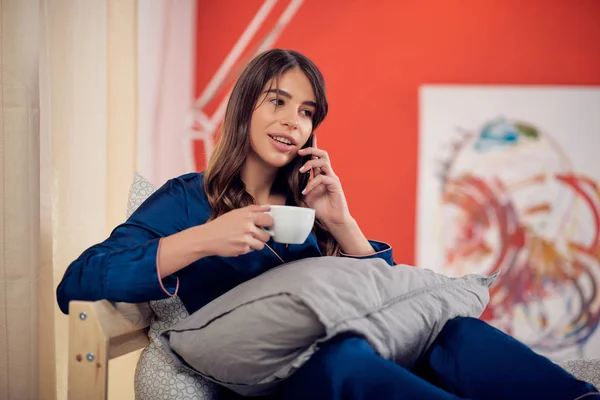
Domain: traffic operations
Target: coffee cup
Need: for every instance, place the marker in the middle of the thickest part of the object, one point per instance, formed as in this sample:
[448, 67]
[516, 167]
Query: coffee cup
[291, 225]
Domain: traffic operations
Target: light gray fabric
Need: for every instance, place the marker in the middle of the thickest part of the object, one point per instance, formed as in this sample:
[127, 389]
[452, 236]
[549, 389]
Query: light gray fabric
[260, 332]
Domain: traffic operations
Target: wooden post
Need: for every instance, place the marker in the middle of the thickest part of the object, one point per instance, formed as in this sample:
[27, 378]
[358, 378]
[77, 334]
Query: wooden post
[98, 332]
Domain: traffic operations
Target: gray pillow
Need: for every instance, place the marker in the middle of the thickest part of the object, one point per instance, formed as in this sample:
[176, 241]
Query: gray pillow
[257, 334]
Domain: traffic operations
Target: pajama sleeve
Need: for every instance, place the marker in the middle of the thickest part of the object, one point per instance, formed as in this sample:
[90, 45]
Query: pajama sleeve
[124, 266]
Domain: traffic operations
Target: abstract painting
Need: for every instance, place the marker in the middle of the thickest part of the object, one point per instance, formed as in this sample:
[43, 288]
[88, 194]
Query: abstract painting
[509, 179]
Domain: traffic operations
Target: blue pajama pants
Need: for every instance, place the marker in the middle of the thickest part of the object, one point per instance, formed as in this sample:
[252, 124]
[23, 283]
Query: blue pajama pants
[468, 360]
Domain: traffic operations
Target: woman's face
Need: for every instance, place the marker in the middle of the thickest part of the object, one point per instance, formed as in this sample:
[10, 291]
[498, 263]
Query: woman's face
[282, 121]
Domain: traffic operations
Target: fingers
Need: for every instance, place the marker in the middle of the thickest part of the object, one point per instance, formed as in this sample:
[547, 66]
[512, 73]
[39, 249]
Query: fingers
[257, 208]
[254, 239]
[263, 220]
[320, 163]
[260, 234]
[314, 152]
[260, 221]
[326, 180]
[255, 244]
[312, 184]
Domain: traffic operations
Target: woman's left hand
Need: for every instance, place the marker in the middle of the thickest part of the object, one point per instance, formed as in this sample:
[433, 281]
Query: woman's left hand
[324, 191]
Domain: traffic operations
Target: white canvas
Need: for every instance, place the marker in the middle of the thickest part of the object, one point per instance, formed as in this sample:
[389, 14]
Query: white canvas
[509, 177]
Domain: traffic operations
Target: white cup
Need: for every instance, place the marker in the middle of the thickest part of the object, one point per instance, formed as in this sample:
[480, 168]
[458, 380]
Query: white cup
[291, 225]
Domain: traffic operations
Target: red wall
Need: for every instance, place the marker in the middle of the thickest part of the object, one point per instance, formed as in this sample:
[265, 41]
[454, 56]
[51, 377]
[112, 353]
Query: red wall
[376, 54]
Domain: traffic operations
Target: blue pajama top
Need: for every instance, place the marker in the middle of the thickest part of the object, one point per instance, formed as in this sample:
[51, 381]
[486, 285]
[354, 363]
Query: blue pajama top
[123, 267]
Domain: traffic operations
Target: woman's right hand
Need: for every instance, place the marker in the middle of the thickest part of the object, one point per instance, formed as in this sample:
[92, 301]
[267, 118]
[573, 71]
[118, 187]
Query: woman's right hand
[232, 234]
[239, 231]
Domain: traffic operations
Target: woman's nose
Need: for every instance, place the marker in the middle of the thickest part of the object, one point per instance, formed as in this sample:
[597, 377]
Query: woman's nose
[291, 121]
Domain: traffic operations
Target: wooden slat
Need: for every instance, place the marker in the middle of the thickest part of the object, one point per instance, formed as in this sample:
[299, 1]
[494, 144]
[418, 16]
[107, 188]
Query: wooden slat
[108, 330]
[88, 354]
[119, 318]
[125, 325]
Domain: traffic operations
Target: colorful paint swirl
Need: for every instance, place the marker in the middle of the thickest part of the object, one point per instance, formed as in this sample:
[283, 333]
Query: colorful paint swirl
[512, 200]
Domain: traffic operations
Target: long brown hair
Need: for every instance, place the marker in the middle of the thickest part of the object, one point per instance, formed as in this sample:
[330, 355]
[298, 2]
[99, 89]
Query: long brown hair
[222, 182]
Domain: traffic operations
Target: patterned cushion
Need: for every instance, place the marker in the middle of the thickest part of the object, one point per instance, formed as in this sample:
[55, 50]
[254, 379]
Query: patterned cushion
[157, 377]
[586, 369]
[139, 191]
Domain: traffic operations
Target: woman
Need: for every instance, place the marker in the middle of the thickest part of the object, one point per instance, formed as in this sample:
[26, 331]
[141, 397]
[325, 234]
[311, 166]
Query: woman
[201, 235]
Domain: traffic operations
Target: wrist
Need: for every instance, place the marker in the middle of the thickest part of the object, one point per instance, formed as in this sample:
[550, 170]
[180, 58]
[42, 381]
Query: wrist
[350, 237]
[201, 242]
[180, 250]
[347, 225]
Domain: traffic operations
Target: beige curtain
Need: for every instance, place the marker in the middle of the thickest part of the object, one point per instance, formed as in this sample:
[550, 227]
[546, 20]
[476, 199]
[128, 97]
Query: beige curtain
[27, 368]
[89, 75]
[68, 84]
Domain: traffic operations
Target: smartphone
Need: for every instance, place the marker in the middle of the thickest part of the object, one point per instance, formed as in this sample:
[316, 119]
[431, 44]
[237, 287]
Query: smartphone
[305, 177]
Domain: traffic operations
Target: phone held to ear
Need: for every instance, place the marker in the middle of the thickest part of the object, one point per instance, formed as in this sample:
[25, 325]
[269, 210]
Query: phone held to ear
[305, 177]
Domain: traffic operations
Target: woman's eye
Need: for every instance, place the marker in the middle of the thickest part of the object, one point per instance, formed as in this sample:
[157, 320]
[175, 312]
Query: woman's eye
[307, 113]
[277, 102]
